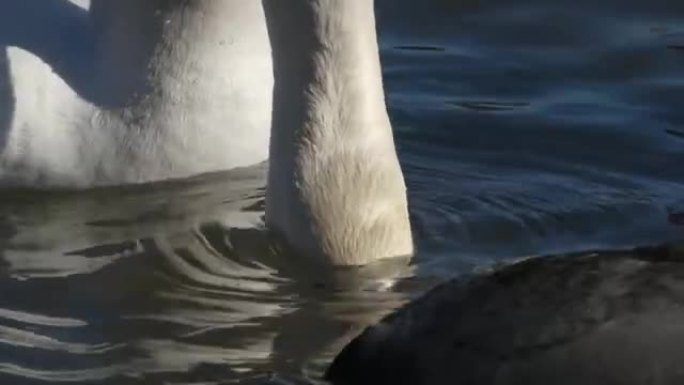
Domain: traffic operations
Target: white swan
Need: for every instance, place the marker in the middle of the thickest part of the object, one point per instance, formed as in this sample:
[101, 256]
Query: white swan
[141, 90]
[169, 88]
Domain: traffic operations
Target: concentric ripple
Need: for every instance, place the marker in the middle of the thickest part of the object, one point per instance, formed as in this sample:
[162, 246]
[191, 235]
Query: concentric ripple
[523, 128]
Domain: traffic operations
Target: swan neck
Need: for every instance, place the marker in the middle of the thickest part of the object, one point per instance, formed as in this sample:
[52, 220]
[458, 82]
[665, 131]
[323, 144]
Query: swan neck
[335, 188]
[325, 49]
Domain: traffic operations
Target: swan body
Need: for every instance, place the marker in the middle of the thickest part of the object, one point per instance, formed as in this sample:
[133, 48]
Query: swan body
[150, 90]
[170, 88]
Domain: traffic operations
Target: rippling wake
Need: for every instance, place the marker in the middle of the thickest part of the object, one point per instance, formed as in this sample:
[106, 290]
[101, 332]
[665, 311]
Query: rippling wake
[523, 129]
[176, 282]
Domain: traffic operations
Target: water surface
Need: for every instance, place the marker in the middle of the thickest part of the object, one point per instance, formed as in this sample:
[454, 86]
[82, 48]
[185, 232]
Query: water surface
[523, 128]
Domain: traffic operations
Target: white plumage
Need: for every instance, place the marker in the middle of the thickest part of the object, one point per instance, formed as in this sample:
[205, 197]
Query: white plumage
[163, 89]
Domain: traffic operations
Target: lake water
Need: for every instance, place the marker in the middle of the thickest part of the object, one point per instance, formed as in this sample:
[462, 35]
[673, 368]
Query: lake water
[524, 128]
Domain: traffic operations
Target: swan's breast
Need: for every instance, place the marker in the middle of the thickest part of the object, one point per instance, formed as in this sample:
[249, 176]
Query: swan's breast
[185, 91]
[42, 132]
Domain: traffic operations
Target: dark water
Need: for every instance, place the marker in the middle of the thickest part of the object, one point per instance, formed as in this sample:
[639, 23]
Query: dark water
[524, 128]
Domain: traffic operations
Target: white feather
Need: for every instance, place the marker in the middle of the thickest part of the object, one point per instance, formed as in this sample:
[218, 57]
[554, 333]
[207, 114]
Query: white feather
[172, 88]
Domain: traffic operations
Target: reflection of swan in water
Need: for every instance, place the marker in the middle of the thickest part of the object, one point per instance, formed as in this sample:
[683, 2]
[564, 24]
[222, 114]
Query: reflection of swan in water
[606, 318]
[151, 285]
[148, 90]
[108, 222]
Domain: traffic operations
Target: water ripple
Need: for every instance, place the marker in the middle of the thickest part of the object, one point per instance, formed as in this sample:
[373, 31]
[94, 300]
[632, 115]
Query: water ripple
[523, 128]
[40, 320]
